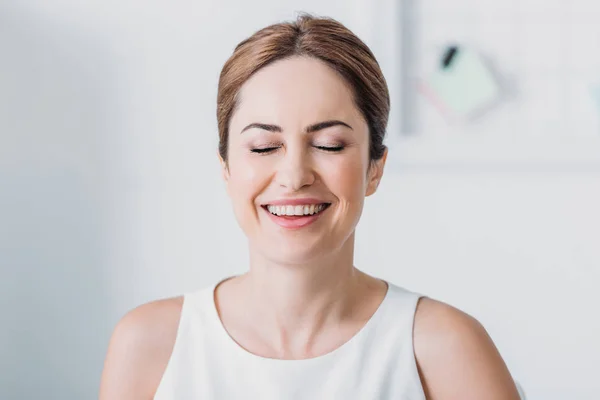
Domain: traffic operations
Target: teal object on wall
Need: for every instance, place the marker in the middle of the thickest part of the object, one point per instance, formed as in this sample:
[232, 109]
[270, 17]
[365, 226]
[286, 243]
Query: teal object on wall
[463, 83]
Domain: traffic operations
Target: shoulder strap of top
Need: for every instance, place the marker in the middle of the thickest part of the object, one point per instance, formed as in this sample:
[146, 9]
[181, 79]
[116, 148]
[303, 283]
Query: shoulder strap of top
[192, 325]
[394, 337]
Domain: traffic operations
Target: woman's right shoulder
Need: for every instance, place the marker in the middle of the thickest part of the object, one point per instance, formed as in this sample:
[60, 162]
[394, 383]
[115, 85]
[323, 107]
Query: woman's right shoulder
[139, 350]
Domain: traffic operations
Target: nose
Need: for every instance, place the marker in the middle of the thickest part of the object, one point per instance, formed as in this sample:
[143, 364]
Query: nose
[295, 170]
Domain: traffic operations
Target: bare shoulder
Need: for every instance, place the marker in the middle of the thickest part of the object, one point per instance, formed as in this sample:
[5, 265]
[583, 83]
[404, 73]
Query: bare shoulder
[456, 357]
[139, 350]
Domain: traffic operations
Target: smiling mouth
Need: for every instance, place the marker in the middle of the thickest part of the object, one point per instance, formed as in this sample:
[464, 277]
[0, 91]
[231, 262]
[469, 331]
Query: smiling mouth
[296, 211]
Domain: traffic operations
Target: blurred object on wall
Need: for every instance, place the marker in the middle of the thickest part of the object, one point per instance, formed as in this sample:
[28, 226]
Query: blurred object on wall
[462, 86]
[543, 58]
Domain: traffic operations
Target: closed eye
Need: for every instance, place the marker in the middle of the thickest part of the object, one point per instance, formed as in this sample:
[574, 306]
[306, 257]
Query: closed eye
[330, 148]
[263, 150]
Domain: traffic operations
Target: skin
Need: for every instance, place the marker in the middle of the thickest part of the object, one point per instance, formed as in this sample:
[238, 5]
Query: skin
[302, 297]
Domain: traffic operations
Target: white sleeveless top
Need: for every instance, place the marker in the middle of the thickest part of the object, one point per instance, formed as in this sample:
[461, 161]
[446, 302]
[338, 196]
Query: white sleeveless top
[376, 363]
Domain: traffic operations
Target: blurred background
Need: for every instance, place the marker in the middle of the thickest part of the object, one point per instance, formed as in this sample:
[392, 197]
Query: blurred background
[110, 192]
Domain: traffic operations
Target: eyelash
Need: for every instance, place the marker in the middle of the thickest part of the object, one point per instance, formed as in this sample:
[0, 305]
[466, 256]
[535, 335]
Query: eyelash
[331, 149]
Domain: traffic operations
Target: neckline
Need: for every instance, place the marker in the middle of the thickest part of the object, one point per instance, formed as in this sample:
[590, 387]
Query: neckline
[237, 349]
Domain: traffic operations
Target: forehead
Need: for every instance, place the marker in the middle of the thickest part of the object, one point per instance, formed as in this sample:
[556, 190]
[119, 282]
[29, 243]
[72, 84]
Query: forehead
[296, 90]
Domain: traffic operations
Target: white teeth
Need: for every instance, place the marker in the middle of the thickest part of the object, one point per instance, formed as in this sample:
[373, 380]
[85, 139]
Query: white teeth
[296, 210]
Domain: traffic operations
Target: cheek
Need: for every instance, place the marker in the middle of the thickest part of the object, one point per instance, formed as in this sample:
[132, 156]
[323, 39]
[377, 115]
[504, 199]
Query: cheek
[243, 186]
[347, 178]
[246, 178]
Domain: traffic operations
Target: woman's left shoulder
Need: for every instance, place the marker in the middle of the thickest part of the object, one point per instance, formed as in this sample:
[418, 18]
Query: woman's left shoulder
[456, 357]
[436, 320]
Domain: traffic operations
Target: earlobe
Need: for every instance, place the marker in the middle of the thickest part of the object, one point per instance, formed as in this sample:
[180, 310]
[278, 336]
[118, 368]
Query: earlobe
[376, 174]
[372, 188]
[224, 171]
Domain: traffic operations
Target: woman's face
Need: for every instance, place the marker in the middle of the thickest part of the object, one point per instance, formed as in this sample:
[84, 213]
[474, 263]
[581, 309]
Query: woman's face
[298, 161]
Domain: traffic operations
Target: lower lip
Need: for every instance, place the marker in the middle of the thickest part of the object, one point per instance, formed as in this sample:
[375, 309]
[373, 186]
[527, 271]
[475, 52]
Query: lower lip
[294, 222]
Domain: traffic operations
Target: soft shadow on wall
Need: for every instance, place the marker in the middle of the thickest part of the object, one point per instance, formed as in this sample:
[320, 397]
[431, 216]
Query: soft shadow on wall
[57, 94]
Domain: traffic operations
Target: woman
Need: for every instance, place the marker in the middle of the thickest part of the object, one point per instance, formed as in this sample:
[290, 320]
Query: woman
[302, 109]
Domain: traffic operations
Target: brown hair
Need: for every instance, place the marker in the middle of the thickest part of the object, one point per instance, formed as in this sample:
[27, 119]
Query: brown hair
[324, 39]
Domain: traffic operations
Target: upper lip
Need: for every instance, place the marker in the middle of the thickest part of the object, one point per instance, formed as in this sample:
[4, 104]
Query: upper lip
[294, 202]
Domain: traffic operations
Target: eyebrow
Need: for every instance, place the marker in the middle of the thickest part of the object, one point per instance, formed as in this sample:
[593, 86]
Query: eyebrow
[309, 129]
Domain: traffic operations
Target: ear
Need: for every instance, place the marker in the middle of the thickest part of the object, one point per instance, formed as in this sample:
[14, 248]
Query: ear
[375, 173]
[224, 171]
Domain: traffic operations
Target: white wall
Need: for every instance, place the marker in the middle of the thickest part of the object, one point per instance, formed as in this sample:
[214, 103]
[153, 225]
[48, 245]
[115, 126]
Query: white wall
[110, 186]
[500, 216]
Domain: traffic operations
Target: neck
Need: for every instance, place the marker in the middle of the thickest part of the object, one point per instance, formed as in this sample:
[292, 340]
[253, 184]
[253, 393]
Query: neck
[297, 301]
